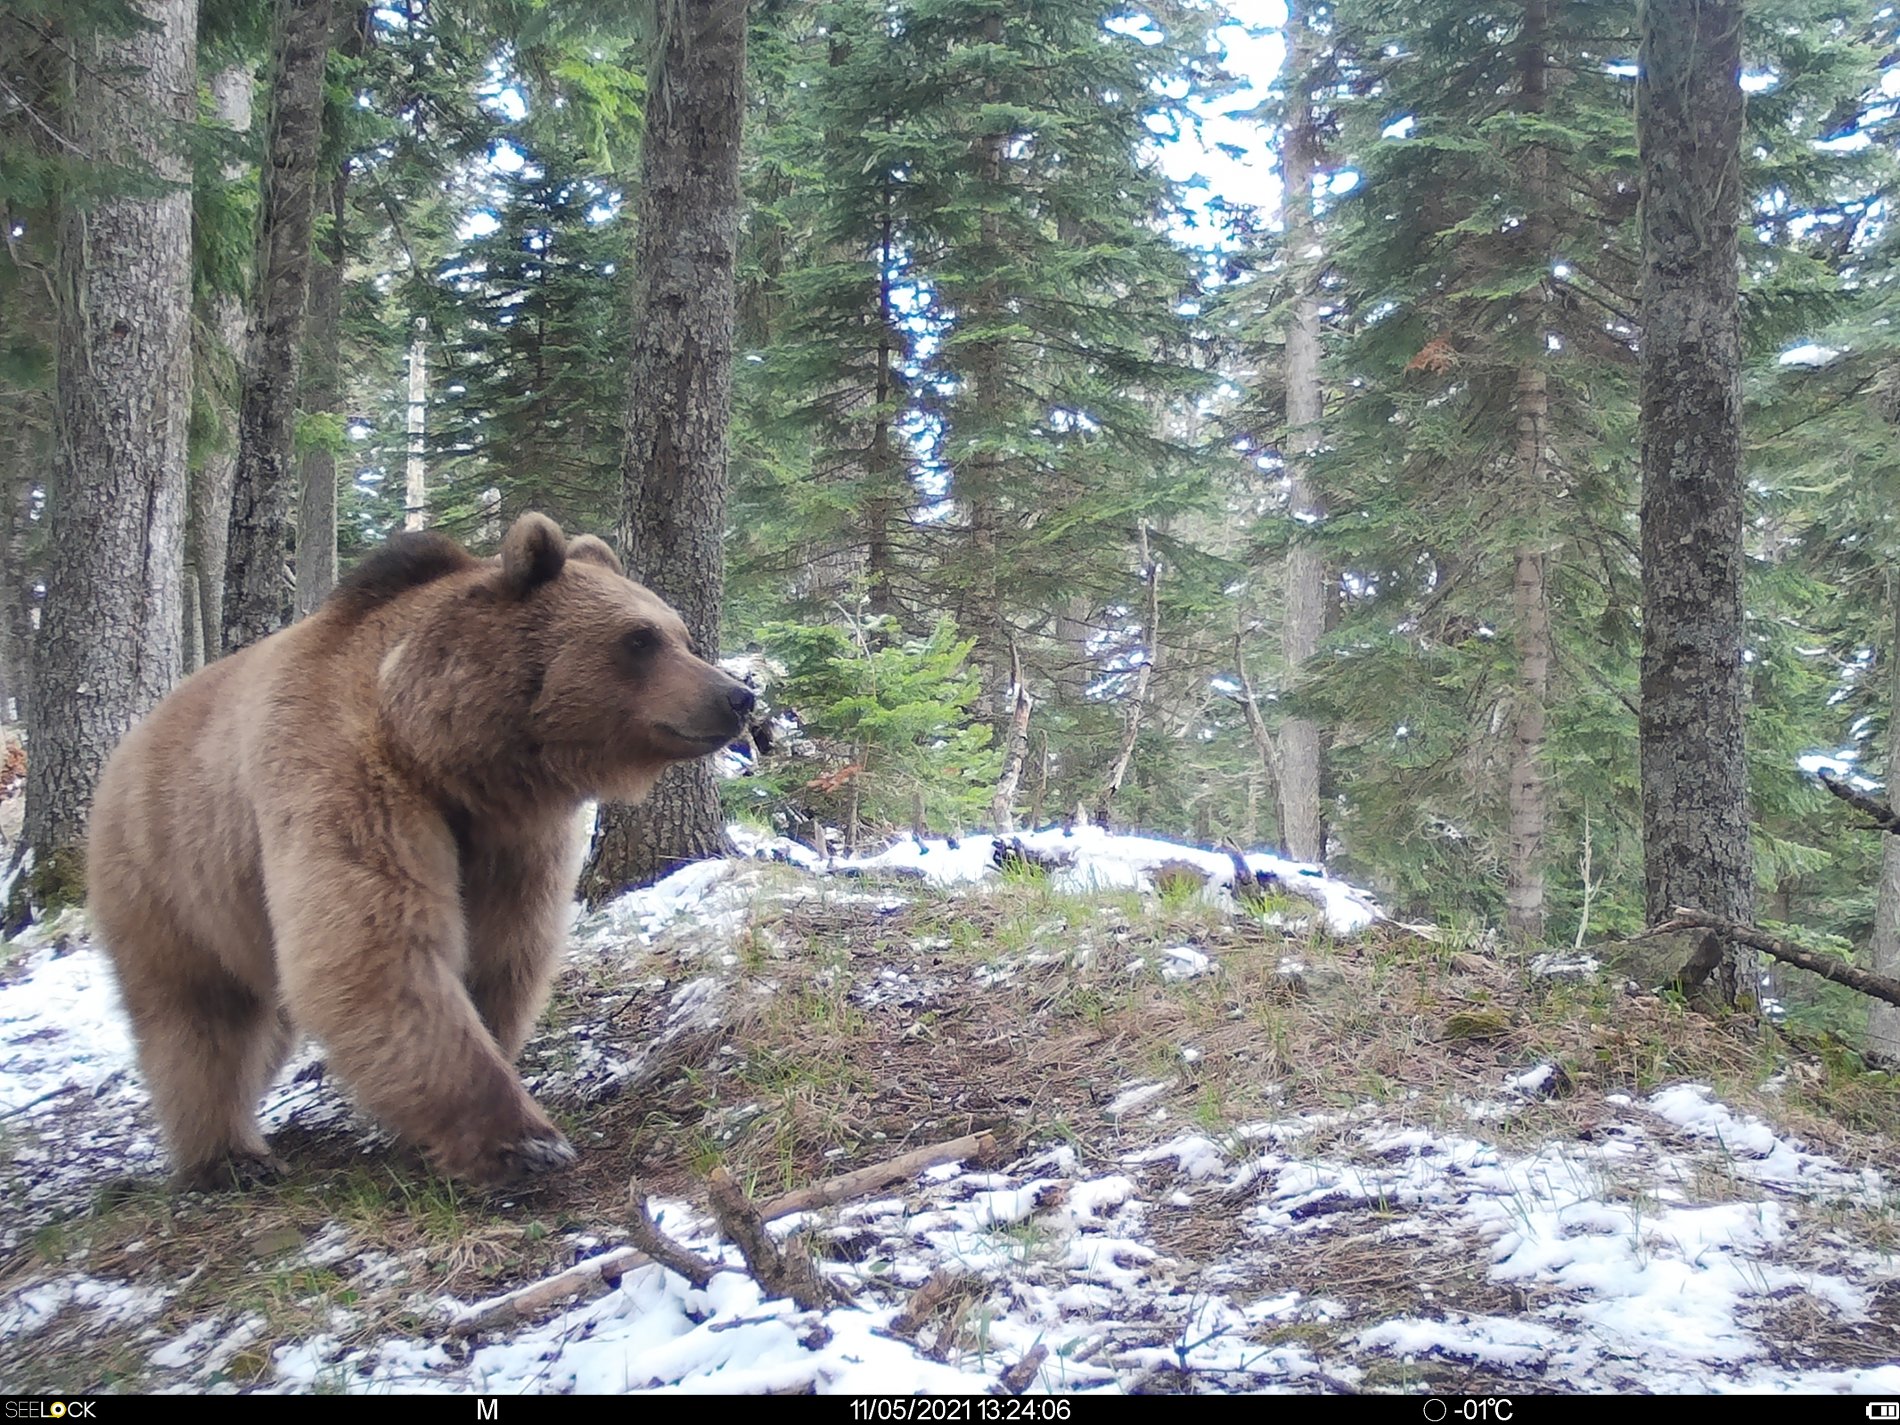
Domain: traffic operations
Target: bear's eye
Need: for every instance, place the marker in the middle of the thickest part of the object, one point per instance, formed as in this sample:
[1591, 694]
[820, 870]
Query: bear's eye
[639, 642]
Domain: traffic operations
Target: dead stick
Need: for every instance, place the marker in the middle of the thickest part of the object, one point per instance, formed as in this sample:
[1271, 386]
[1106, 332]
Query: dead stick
[1019, 1377]
[550, 1291]
[610, 1266]
[1828, 967]
[1883, 817]
[852, 1185]
[924, 1302]
[648, 1237]
[790, 1274]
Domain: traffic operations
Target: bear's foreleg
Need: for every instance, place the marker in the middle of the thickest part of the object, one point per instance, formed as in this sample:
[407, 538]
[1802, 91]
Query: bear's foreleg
[372, 950]
[519, 897]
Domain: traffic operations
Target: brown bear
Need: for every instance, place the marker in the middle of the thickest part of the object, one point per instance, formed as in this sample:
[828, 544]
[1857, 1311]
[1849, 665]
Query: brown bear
[364, 829]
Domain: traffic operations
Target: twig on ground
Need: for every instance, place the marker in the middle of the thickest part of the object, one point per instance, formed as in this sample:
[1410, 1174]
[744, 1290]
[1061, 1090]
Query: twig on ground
[855, 1184]
[611, 1266]
[526, 1301]
[1829, 967]
[924, 1302]
[1019, 1377]
[648, 1237]
[788, 1274]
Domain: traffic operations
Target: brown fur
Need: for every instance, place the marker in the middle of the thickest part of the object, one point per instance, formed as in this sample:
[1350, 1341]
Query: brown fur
[362, 829]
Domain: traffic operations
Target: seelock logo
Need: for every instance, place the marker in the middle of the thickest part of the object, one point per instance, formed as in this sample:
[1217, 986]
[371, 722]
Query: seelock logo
[51, 1410]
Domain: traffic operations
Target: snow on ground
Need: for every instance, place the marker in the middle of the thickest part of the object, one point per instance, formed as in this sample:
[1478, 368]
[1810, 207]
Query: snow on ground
[1655, 1255]
[1636, 1285]
[1109, 860]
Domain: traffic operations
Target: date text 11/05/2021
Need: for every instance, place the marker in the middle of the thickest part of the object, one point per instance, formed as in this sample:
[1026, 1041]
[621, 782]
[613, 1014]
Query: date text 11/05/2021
[958, 1409]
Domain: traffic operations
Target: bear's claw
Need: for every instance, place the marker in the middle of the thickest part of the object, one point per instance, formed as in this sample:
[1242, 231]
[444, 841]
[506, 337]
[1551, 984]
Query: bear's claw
[234, 1172]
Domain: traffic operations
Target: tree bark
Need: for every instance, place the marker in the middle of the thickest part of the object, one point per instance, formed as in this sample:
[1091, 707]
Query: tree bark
[673, 477]
[1302, 822]
[1695, 825]
[1015, 749]
[323, 391]
[415, 484]
[1883, 1023]
[1138, 699]
[254, 595]
[208, 504]
[1530, 593]
[109, 641]
[978, 481]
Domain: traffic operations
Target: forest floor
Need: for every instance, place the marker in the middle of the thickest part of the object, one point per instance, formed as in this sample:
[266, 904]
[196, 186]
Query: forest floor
[1240, 1147]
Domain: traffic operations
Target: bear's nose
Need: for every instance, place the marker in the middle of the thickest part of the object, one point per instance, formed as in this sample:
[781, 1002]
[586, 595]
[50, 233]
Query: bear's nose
[742, 699]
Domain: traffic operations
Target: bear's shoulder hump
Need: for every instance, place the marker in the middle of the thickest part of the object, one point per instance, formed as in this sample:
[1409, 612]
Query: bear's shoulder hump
[406, 561]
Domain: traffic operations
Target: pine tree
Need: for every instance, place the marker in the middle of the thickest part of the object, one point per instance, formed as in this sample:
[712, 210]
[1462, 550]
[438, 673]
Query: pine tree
[673, 470]
[109, 644]
[263, 483]
[1695, 823]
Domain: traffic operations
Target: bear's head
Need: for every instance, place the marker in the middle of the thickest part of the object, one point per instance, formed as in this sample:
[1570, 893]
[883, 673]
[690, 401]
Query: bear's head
[547, 672]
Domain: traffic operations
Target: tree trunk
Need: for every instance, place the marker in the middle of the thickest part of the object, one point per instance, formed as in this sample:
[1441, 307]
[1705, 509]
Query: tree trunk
[979, 478]
[673, 477]
[109, 641]
[1138, 699]
[1015, 750]
[208, 505]
[1695, 825]
[323, 391]
[254, 594]
[415, 484]
[1524, 861]
[1302, 823]
[1883, 1021]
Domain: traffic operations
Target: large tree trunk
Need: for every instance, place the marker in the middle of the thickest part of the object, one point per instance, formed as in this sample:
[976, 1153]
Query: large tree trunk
[673, 477]
[323, 391]
[1302, 823]
[109, 641]
[254, 595]
[1695, 825]
[1883, 1021]
[1529, 815]
[978, 481]
[220, 364]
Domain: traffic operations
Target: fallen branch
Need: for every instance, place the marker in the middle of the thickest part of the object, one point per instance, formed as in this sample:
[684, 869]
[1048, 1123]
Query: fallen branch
[1828, 967]
[648, 1237]
[855, 1184]
[1881, 817]
[536, 1297]
[924, 1302]
[1019, 1377]
[788, 1274]
[609, 1267]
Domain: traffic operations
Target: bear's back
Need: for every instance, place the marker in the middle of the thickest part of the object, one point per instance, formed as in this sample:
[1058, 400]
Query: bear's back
[408, 561]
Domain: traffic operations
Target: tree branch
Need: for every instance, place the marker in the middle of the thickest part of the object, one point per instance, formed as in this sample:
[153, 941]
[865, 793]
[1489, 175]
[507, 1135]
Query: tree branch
[1828, 967]
[1881, 817]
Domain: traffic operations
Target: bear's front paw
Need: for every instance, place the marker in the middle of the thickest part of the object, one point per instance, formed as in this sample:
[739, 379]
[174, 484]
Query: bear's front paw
[234, 1172]
[511, 1164]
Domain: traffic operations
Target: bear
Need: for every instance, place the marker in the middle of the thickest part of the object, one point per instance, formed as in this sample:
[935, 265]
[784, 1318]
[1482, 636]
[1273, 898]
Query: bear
[365, 830]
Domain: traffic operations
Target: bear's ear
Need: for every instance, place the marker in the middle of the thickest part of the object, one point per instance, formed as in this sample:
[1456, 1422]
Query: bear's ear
[533, 552]
[595, 551]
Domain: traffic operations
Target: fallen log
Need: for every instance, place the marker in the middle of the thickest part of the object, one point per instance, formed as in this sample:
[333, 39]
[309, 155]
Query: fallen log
[1828, 967]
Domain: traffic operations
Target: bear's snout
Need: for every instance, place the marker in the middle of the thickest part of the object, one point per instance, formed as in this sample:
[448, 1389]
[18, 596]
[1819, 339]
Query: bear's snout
[743, 700]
